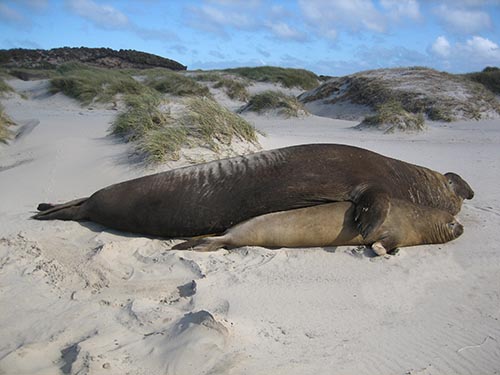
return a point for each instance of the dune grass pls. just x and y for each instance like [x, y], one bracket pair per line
[170, 82]
[160, 137]
[233, 88]
[5, 122]
[287, 77]
[286, 105]
[212, 125]
[391, 117]
[88, 84]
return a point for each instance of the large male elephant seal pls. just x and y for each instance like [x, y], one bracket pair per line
[333, 224]
[211, 197]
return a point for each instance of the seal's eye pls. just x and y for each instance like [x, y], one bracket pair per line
[452, 224]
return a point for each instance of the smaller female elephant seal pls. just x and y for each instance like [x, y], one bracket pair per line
[334, 224]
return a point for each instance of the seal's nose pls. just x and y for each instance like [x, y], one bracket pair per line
[458, 230]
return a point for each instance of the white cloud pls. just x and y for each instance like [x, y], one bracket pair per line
[482, 49]
[283, 31]
[472, 54]
[441, 47]
[104, 16]
[216, 20]
[402, 8]
[355, 15]
[110, 18]
[467, 21]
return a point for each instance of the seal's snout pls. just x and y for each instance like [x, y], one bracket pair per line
[458, 230]
[459, 185]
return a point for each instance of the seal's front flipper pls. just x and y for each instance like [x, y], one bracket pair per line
[372, 208]
[202, 244]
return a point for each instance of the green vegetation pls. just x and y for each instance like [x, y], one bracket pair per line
[489, 77]
[287, 77]
[160, 137]
[286, 105]
[391, 116]
[87, 84]
[5, 122]
[212, 125]
[169, 82]
[233, 88]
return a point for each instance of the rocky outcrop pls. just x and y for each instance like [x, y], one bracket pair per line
[100, 57]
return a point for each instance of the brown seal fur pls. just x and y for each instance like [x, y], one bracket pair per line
[211, 197]
[333, 224]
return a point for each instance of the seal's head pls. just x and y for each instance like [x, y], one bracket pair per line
[459, 186]
[445, 228]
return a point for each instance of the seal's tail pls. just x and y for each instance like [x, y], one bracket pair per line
[65, 211]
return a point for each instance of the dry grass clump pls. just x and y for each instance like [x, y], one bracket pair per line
[234, 89]
[211, 125]
[169, 82]
[160, 137]
[286, 105]
[391, 117]
[5, 122]
[88, 84]
[287, 77]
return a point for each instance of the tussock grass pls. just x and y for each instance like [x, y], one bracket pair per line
[287, 77]
[286, 105]
[169, 82]
[489, 77]
[5, 122]
[391, 116]
[233, 88]
[141, 115]
[160, 137]
[88, 84]
[212, 125]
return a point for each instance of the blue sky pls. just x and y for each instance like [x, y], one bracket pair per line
[334, 37]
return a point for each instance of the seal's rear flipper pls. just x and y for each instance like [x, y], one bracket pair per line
[202, 244]
[66, 211]
[45, 206]
[372, 208]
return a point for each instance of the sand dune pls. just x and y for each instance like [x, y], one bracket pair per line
[76, 298]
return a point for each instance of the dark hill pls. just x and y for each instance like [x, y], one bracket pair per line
[100, 57]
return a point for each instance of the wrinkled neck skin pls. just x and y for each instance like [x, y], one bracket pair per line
[429, 188]
[431, 226]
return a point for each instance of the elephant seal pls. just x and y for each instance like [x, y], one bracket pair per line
[333, 224]
[212, 197]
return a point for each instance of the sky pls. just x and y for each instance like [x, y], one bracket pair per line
[330, 37]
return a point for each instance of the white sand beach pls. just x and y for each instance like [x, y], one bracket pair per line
[77, 298]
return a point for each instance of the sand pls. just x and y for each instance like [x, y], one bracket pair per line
[76, 298]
